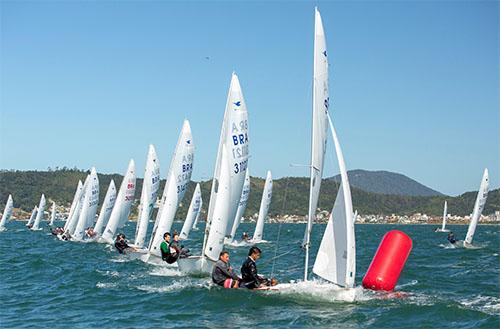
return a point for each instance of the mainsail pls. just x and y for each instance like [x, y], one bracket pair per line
[32, 216]
[245, 193]
[478, 207]
[39, 215]
[121, 210]
[106, 208]
[150, 186]
[78, 193]
[89, 206]
[234, 136]
[53, 214]
[264, 207]
[319, 127]
[7, 212]
[193, 213]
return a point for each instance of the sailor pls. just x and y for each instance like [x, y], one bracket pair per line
[245, 237]
[121, 244]
[90, 232]
[66, 236]
[451, 238]
[168, 253]
[223, 274]
[183, 252]
[249, 276]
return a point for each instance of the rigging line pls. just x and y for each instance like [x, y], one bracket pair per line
[279, 228]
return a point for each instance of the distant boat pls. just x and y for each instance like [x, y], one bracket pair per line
[227, 184]
[106, 208]
[192, 214]
[443, 227]
[150, 186]
[39, 215]
[196, 219]
[7, 213]
[121, 210]
[264, 208]
[482, 195]
[53, 214]
[178, 177]
[32, 216]
[245, 193]
[89, 206]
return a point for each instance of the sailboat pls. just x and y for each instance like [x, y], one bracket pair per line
[89, 206]
[121, 210]
[193, 213]
[39, 215]
[7, 213]
[482, 195]
[264, 208]
[227, 184]
[196, 219]
[150, 186]
[32, 216]
[445, 214]
[242, 206]
[106, 208]
[53, 214]
[336, 258]
[179, 176]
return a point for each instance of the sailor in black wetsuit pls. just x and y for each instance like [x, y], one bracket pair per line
[121, 244]
[249, 276]
[451, 238]
[183, 252]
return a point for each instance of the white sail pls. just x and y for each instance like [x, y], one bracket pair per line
[478, 207]
[32, 216]
[336, 258]
[179, 176]
[197, 216]
[193, 212]
[89, 206]
[39, 215]
[121, 210]
[76, 198]
[355, 217]
[234, 136]
[265, 202]
[7, 212]
[106, 208]
[242, 206]
[319, 127]
[150, 186]
[443, 227]
[73, 220]
[216, 235]
[53, 214]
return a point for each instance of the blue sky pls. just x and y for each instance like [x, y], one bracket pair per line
[414, 85]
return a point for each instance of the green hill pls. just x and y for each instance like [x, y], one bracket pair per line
[59, 186]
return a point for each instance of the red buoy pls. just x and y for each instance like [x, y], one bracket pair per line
[389, 261]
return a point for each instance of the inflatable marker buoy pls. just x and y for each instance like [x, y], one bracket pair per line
[390, 258]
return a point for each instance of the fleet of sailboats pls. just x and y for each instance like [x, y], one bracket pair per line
[335, 260]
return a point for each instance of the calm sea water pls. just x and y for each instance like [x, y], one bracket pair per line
[46, 283]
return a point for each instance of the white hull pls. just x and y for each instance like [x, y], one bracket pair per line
[441, 230]
[196, 265]
[155, 260]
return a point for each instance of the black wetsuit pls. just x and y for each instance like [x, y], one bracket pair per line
[249, 277]
[451, 238]
[121, 245]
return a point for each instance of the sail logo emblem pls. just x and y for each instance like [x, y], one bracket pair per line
[188, 141]
[238, 103]
[324, 53]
